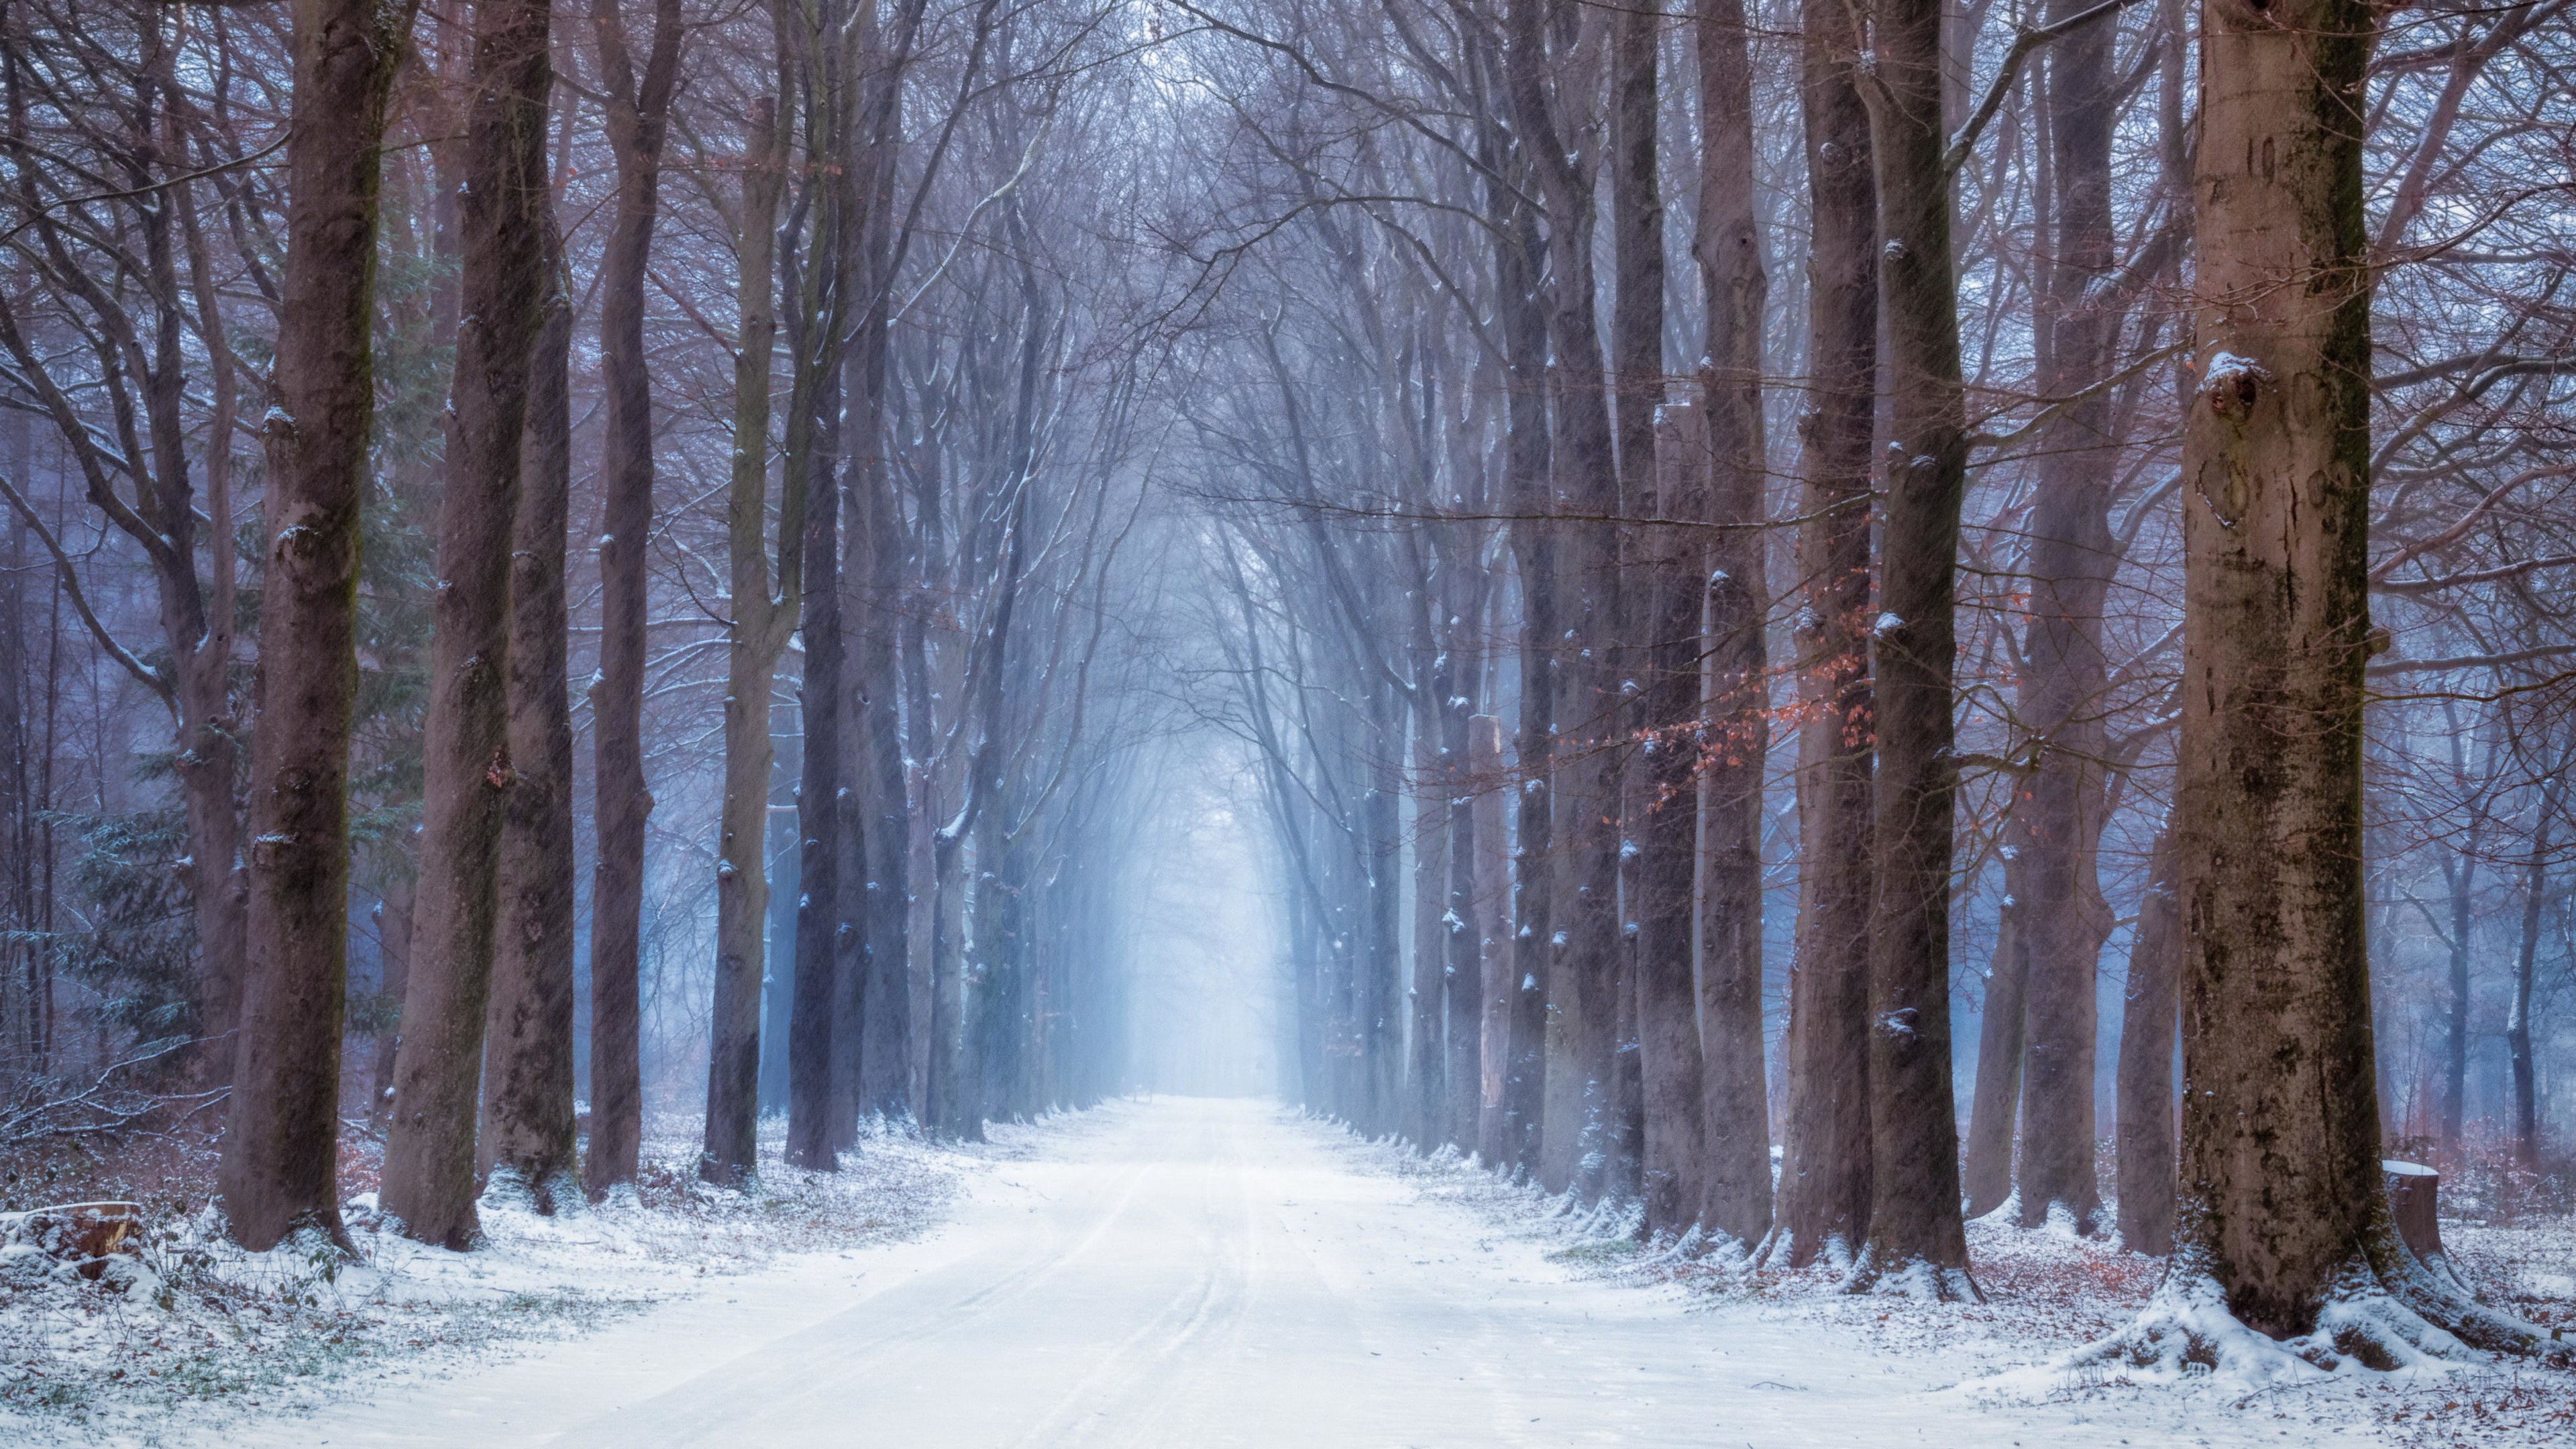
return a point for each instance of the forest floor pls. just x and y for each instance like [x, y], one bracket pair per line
[1184, 1273]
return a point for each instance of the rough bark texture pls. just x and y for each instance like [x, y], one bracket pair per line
[1825, 1180]
[429, 1180]
[1554, 108]
[279, 1168]
[528, 1068]
[2280, 1135]
[1736, 742]
[1667, 568]
[2146, 1097]
[1637, 382]
[638, 110]
[824, 850]
[760, 626]
[1914, 1134]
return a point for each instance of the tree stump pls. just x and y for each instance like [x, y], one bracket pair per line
[81, 1233]
[2412, 1190]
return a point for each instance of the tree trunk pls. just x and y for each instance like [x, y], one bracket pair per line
[1667, 569]
[1825, 1179]
[1528, 467]
[2461, 873]
[761, 623]
[637, 114]
[1550, 98]
[2517, 1032]
[1914, 1131]
[1994, 1112]
[528, 1077]
[832, 855]
[2280, 1137]
[1426, 1094]
[1736, 742]
[466, 768]
[2065, 680]
[2146, 1096]
[393, 945]
[279, 1169]
[825, 935]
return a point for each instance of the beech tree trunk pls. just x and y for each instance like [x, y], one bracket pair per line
[2146, 1087]
[1668, 568]
[2065, 679]
[638, 111]
[280, 1153]
[1554, 108]
[758, 634]
[467, 774]
[1914, 1133]
[2280, 1126]
[1994, 1111]
[1825, 1192]
[528, 1069]
[1736, 741]
[2517, 1032]
[1528, 465]
[1493, 919]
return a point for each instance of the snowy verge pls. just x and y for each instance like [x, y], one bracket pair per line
[196, 1330]
[2052, 1294]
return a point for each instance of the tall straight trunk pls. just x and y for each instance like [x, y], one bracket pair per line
[1994, 1109]
[528, 1070]
[2145, 1123]
[2461, 873]
[638, 112]
[822, 1028]
[2517, 1031]
[1637, 345]
[1463, 987]
[209, 759]
[1914, 1131]
[1531, 949]
[884, 781]
[877, 569]
[826, 936]
[758, 634]
[1736, 741]
[1493, 924]
[467, 772]
[1377, 979]
[1426, 1085]
[2282, 1188]
[279, 1170]
[2065, 678]
[1825, 1192]
[1667, 570]
[393, 949]
[1549, 95]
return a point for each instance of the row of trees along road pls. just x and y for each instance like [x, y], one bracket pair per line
[1754, 560]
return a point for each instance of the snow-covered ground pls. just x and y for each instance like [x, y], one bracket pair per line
[1203, 1273]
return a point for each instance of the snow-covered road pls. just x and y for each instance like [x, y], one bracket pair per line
[1201, 1273]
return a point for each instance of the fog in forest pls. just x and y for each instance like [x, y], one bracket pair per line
[1916, 648]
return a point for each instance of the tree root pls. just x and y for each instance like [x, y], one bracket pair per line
[2391, 1314]
[1920, 1279]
